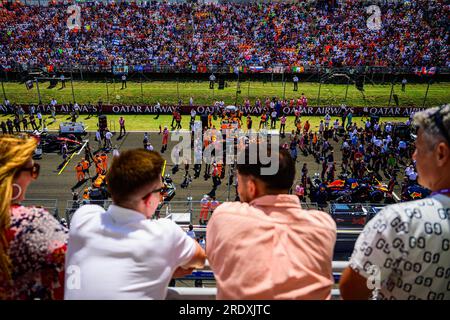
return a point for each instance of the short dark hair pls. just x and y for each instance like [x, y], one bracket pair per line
[131, 171]
[281, 180]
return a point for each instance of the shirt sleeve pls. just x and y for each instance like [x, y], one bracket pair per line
[184, 247]
[216, 236]
[85, 212]
[380, 246]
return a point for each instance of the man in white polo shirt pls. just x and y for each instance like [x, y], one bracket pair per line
[121, 253]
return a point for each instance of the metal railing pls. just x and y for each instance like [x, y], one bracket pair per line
[171, 209]
[166, 209]
[364, 207]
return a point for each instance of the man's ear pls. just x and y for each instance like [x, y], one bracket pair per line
[147, 201]
[252, 188]
[442, 154]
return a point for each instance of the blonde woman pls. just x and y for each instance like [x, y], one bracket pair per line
[32, 242]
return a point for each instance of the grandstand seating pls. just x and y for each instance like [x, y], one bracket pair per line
[191, 37]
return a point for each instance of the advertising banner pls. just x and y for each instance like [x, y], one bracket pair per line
[305, 111]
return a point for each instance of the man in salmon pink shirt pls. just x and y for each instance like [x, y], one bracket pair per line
[266, 246]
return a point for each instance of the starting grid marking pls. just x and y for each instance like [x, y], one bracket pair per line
[73, 153]
[396, 197]
[64, 167]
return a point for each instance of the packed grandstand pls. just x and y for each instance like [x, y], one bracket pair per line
[189, 37]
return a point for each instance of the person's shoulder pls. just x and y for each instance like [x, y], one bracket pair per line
[30, 213]
[86, 212]
[231, 207]
[165, 228]
[35, 218]
[321, 219]
[166, 224]
[416, 208]
[227, 214]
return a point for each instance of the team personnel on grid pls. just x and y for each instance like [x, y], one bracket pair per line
[122, 126]
[124, 81]
[213, 204]
[63, 81]
[165, 139]
[79, 171]
[216, 173]
[212, 79]
[295, 80]
[204, 209]
[108, 136]
[98, 164]
[104, 161]
[85, 164]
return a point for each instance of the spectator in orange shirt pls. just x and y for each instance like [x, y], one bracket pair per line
[283, 252]
[213, 204]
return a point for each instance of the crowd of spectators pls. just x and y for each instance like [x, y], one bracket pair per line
[196, 36]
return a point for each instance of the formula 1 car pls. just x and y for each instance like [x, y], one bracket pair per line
[72, 128]
[50, 143]
[415, 192]
[350, 190]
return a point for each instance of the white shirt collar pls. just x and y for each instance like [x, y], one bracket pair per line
[124, 215]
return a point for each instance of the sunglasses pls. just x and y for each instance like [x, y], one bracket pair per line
[159, 190]
[34, 170]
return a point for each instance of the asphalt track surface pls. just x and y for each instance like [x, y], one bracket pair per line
[52, 185]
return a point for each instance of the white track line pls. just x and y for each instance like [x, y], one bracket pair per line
[395, 196]
[84, 145]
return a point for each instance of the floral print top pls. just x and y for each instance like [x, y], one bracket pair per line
[37, 248]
